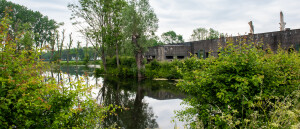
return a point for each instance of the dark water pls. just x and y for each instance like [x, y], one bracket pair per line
[149, 103]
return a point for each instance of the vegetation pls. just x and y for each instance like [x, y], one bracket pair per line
[29, 99]
[38, 27]
[141, 24]
[171, 37]
[245, 87]
[74, 53]
[204, 34]
[167, 70]
[154, 69]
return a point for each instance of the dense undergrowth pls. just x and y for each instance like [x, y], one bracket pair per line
[30, 99]
[153, 69]
[245, 87]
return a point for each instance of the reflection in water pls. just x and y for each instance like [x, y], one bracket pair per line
[128, 93]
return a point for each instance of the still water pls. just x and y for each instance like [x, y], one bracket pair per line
[149, 103]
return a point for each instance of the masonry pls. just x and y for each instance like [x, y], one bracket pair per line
[288, 39]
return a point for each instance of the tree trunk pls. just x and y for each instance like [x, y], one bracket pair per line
[68, 56]
[138, 56]
[77, 58]
[103, 58]
[52, 53]
[95, 56]
[117, 55]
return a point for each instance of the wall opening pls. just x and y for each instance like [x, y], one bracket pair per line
[180, 57]
[169, 57]
[206, 54]
[201, 54]
[297, 47]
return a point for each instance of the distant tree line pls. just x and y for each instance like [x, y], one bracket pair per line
[39, 29]
[171, 37]
[72, 54]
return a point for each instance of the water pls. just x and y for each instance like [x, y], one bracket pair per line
[149, 103]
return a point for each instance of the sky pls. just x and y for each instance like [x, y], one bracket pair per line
[183, 16]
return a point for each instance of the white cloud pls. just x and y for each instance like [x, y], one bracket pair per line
[183, 16]
[230, 17]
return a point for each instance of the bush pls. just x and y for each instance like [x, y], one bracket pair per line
[28, 101]
[167, 70]
[242, 81]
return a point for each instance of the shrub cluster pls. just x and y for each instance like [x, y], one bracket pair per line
[127, 67]
[154, 69]
[244, 87]
[167, 70]
[29, 99]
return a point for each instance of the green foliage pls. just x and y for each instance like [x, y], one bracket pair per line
[244, 84]
[127, 67]
[29, 99]
[41, 26]
[167, 70]
[154, 69]
[103, 23]
[204, 34]
[171, 37]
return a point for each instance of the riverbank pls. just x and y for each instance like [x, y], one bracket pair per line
[154, 69]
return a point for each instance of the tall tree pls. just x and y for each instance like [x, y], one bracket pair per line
[213, 34]
[171, 37]
[40, 25]
[102, 20]
[62, 44]
[204, 34]
[199, 34]
[141, 23]
[69, 47]
[77, 51]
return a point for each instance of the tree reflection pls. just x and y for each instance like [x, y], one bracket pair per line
[138, 114]
[129, 94]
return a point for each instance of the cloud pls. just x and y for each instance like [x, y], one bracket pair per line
[183, 16]
[231, 17]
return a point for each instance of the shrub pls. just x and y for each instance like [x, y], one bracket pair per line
[28, 101]
[233, 82]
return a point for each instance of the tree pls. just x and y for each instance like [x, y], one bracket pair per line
[69, 47]
[199, 34]
[29, 99]
[41, 26]
[77, 52]
[204, 34]
[141, 23]
[171, 37]
[213, 34]
[102, 20]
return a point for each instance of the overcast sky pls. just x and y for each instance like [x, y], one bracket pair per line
[182, 16]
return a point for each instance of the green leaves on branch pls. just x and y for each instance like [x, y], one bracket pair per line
[30, 99]
[243, 82]
[171, 37]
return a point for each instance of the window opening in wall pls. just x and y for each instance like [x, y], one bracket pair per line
[297, 47]
[206, 54]
[169, 57]
[201, 54]
[180, 57]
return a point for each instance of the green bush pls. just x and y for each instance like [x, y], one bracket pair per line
[29, 101]
[242, 82]
[166, 70]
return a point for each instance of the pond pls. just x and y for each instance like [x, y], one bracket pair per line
[148, 103]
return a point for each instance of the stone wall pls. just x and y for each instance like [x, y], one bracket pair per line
[286, 39]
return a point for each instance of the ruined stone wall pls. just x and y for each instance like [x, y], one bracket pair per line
[286, 39]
